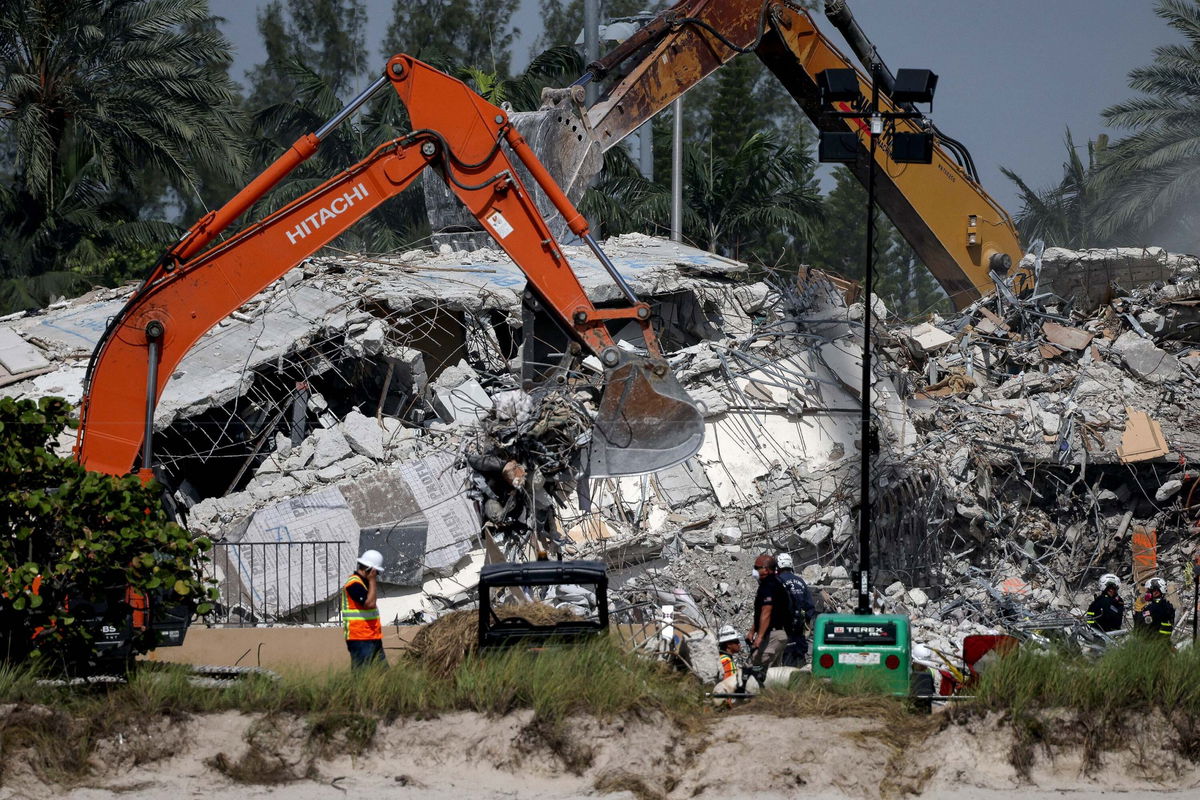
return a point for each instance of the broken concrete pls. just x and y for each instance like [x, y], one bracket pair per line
[1145, 360]
[364, 435]
[1091, 278]
[1020, 440]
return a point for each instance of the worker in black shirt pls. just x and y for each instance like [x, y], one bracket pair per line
[1107, 611]
[772, 613]
[796, 652]
[1158, 615]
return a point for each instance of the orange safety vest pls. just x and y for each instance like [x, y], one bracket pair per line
[360, 624]
[726, 665]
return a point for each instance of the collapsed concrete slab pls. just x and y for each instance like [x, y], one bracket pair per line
[1019, 441]
[1091, 278]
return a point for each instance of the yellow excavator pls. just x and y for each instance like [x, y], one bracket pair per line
[961, 234]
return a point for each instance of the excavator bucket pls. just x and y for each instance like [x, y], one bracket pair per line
[646, 422]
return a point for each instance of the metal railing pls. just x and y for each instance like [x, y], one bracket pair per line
[279, 583]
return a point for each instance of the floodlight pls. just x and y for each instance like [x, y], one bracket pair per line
[912, 148]
[838, 86]
[839, 147]
[914, 86]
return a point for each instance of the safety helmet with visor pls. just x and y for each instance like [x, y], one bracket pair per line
[1108, 579]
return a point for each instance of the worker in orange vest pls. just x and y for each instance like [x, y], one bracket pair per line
[729, 645]
[360, 615]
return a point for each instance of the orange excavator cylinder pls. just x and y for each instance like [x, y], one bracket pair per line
[203, 233]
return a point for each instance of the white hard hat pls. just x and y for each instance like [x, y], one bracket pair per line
[921, 653]
[784, 560]
[1156, 583]
[1108, 578]
[726, 634]
[372, 559]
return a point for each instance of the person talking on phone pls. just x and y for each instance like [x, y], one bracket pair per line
[360, 615]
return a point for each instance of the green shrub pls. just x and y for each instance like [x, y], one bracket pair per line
[69, 538]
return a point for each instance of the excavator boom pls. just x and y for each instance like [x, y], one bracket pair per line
[954, 226]
[462, 136]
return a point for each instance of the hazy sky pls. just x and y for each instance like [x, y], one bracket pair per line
[1013, 74]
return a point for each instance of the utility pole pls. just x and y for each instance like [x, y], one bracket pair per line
[864, 513]
[591, 43]
[677, 171]
[646, 150]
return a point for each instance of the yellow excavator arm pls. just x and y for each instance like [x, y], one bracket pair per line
[955, 227]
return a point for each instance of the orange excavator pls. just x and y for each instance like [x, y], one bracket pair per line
[645, 420]
[965, 238]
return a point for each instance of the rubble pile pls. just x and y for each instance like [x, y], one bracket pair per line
[1059, 426]
[1024, 446]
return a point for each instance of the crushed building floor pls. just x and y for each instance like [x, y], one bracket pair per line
[1026, 445]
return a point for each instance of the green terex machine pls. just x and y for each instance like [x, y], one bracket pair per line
[845, 646]
[872, 650]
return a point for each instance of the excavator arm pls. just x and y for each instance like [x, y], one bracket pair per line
[645, 421]
[954, 226]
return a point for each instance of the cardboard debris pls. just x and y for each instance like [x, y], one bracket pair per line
[1070, 338]
[1143, 438]
[591, 528]
[995, 320]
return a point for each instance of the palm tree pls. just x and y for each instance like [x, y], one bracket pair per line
[553, 67]
[1065, 215]
[1151, 179]
[735, 205]
[99, 100]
